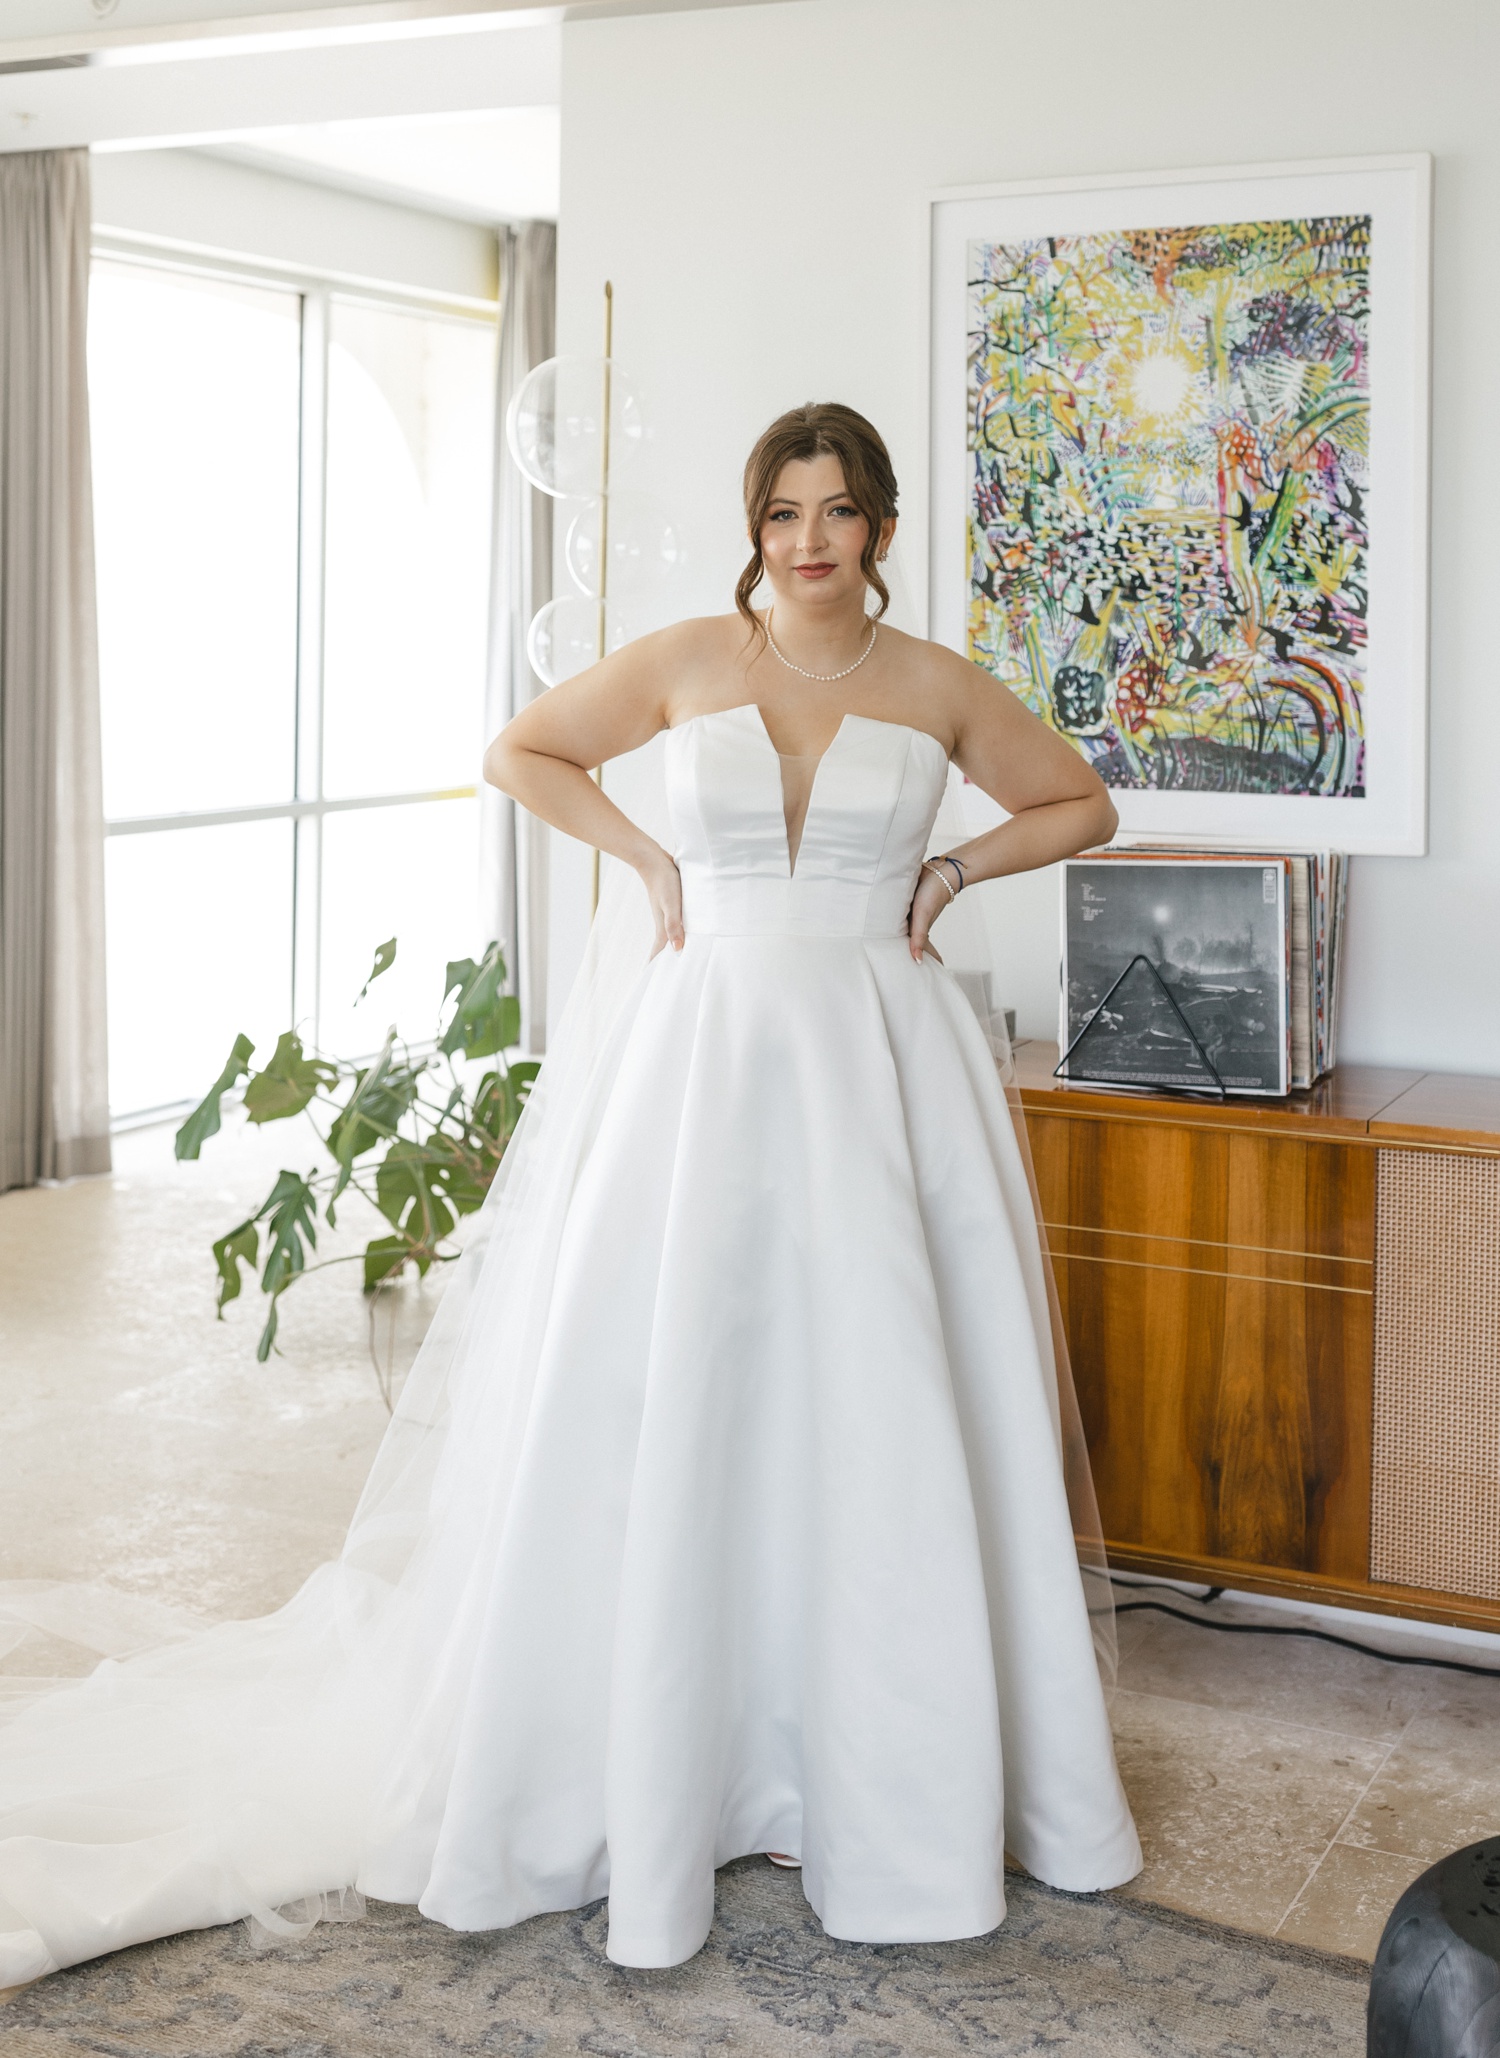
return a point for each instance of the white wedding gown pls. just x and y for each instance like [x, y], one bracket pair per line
[724, 1511]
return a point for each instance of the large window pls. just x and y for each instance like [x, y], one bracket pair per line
[292, 496]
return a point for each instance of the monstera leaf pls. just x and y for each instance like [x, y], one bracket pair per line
[410, 1132]
[203, 1122]
[385, 957]
[485, 1020]
[292, 1207]
[409, 1194]
[500, 1097]
[288, 1083]
[461, 1175]
[384, 1259]
[240, 1246]
[383, 1094]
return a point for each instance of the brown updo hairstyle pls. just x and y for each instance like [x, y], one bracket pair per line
[820, 429]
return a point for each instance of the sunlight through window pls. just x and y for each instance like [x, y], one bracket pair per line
[292, 714]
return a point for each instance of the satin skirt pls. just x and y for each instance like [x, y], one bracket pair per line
[778, 1554]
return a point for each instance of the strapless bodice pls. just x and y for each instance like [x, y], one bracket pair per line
[874, 801]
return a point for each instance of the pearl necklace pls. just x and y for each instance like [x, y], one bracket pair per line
[818, 675]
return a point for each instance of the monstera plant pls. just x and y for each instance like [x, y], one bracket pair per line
[417, 1136]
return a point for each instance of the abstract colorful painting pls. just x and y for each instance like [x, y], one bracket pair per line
[1167, 518]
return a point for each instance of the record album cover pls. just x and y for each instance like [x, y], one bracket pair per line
[1216, 932]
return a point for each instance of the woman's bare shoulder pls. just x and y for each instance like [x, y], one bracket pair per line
[698, 643]
[705, 633]
[934, 668]
[692, 662]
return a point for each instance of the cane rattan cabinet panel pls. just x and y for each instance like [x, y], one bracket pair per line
[1436, 1498]
[1248, 1293]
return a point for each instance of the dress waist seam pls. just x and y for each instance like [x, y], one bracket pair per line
[697, 929]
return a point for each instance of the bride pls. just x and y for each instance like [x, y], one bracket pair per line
[724, 1510]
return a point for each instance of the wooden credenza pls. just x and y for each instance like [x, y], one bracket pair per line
[1284, 1320]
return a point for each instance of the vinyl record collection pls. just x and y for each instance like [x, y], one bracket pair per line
[1212, 970]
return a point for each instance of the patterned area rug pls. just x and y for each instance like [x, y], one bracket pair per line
[1100, 1978]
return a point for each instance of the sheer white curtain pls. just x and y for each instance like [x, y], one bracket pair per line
[54, 1094]
[514, 844]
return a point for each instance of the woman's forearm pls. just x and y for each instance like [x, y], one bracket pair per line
[1038, 836]
[565, 795]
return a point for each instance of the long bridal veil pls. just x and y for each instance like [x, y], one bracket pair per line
[267, 1767]
[277, 1768]
[972, 953]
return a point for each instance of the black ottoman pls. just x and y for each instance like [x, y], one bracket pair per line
[1435, 1991]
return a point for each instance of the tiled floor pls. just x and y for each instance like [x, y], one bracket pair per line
[139, 1439]
[1280, 1785]
[1287, 1786]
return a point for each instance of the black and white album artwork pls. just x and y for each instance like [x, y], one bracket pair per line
[1216, 933]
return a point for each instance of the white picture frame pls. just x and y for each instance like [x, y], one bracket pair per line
[1389, 816]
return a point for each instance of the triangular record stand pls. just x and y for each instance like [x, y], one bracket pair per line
[1212, 1083]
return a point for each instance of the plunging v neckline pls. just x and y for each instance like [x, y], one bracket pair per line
[751, 707]
[817, 757]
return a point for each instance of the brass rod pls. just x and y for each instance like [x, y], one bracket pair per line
[609, 337]
[609, 343]
[1203, 1272]
[1275, 1250]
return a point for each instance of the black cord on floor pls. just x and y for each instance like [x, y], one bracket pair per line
[1323, 1636]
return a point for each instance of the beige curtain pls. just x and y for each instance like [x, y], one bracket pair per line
[514, 844]
[54, 1098]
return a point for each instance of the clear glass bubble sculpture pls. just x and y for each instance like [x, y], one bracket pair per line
[556, 425]
[644, 549]
[570, 634]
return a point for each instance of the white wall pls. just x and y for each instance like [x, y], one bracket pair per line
[754, 182]
[190, 197]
